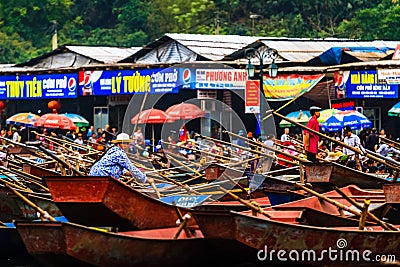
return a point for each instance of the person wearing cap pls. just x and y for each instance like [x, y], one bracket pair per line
[350, 139]
[115, 161]
[310, 139]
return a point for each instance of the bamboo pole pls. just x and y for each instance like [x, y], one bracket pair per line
[364, 152]
[358, 206]
[285, 105]
[363, 217]
[253, 207]
[384, 225]
[267, 147]
[62, 162]
[197, 150]
[43, 214]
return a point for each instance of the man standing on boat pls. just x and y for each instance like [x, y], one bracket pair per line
[115, 161]
[310, 139]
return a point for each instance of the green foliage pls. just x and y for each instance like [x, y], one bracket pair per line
[27, 26]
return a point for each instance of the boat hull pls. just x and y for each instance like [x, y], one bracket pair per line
[265, 235]
[105, 201]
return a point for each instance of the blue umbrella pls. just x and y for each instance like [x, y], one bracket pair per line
[23, 119]
[354, 119]
[395, 110]
[77, 119]
[300, 116]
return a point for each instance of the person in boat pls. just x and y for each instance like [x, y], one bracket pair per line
[310, 139]
[115, 162]
[285, 136]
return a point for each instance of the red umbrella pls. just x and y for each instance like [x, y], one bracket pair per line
[185, 111]
[55, 121]
[151, 116]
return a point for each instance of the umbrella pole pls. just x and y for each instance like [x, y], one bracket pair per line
[152, 133]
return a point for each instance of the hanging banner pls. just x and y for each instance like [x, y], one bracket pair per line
[123, 82]
[252, 97]
[38, 86]
[288, 86]
[365, 84]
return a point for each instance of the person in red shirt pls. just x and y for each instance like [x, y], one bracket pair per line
[310, 139]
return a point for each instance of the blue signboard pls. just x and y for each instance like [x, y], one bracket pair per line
[185, 201]
[364, 84]
[38, 86]
[123, 82]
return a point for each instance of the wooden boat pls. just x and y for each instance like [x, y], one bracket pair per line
[266, 236]
[323, 175]
[392, 195]
[279, 189]
[69, 244]
[11, 245]
[218, 223]
[12, 207]
[105, 201]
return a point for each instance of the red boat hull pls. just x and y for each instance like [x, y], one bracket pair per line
[266, 235]
[143, 248]
[105, 201]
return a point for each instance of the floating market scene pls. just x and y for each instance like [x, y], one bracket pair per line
[199, 133]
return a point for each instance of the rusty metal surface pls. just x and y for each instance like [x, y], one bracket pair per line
[318, 172]
[259, 233]
[104, 201]
[392, 193]
[45, 242]
[12, 207]
[339, 175]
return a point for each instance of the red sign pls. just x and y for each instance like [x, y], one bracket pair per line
[343, 105]
[252, 96]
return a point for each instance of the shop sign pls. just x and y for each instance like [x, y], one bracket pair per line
[365, 84]
[231, 79]
[389, 76]
[252, 96]
[38, 86]
[123, 82]
[288, 86]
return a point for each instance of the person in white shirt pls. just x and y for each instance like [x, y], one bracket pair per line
[285, 136]
[351, 140]
[15, 135]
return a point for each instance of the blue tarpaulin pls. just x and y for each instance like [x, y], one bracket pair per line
[334, 55]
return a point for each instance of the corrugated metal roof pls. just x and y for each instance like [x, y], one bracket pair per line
[207, 47]
[104, 54]
[303, 50]
[213, 47]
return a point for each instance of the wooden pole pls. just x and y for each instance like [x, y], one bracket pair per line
[384, 225]
[364, 152]
[43, 214]
[363, 217]
[285, 105]
[253, 207]
[267, 147]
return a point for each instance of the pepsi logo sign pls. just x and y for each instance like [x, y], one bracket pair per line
[186, 76]
[71, 84]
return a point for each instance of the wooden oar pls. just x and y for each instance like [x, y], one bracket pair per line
[43, 214]
[384, 225]
[62, 162]
[155, 189]
[253, 207]
[267, 147]
[358, 206]
[364, 152]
